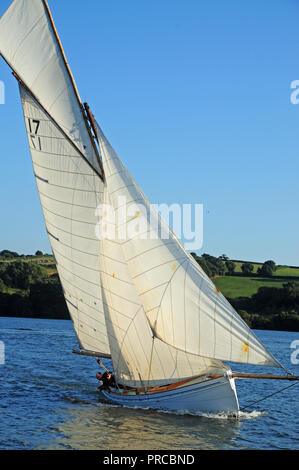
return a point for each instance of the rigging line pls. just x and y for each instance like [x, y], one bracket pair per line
[268, 396]
[185, 323]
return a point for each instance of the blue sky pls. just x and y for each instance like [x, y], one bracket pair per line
[195, 97]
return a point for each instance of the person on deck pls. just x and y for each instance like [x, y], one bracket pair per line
[107, 380]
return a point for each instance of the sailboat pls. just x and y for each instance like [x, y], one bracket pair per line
[143, 302]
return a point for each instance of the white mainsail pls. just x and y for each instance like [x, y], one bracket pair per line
[182, 305]
[70, 191]
[29, 45]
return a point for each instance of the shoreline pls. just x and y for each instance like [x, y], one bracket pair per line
[257, 326]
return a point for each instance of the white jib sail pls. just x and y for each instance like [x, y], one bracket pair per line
[70, 192]
[183, 306]
[29, 45]
[139, 358]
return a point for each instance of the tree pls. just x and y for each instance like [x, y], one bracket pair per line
[245, 316]
[292, 290]
[247, 269]
[230, 266]
[205, 266]
[267, 269]
[8, 254]
[21, 274]
[3, 287]
[39, 253]
[224, 257]
[47, 299]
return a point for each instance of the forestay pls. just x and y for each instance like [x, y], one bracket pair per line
[182, 305]
[70, 191]
[29, 45]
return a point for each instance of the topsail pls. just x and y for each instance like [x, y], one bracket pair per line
[29, 44]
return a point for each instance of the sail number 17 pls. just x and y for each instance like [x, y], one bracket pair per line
[33, 129]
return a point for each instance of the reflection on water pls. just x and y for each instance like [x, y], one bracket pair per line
[117, 428]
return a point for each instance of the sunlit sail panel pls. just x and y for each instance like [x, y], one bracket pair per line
[139, 358]
[184, 308]
[29, 44]
[70, 192]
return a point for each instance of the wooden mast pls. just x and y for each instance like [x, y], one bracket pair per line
[92, 121]
[45, 3]
[62, 51]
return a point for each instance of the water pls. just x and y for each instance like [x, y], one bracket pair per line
[49, 400]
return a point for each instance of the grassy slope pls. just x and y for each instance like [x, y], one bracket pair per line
[47, 262]
[235, 286]
[280, 271]
[239, 286]
[230, 286]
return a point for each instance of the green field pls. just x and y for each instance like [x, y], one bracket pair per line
[47, 261]
[237, 286]
[239, 264]
[230, 286]
[286, 271]
[281, 271]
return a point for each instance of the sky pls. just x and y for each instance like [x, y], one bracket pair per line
[195, 97]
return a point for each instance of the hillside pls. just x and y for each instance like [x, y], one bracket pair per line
[265, 295]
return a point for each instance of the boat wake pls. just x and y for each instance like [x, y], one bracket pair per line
[240, 416]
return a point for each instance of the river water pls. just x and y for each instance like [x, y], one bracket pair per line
[49, 400]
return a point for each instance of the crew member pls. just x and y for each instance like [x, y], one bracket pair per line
[107, 380]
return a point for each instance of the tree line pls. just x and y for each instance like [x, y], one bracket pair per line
[274, 308]
[26, 289]
[224, 266]
[9, 255]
